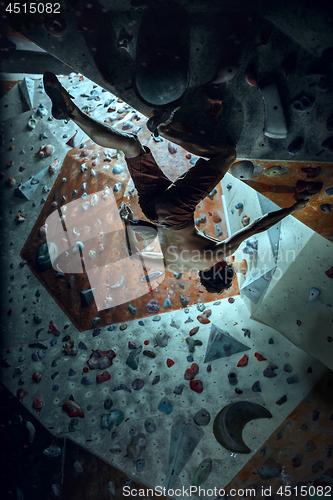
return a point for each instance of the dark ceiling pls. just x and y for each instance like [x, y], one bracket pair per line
[202, 57]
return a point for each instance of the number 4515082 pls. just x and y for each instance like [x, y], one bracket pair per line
[32, 8]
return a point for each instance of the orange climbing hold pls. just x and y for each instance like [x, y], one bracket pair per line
[216, 217]
[243, 361]
[203, 319]
[259, 357]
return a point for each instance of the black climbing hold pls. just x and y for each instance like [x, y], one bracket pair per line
[281, 400]
[293, 379]
[70, 281]
[202, 417]
[279, 435]
[108, 403]
[96, 332]
[271, 341]
[86, 297]
[233, 378]
[309, 446]
[66, 338]
[302, 102]
[295, 146]
[315, 415]
[256, 387]
[71, 372]
[297, 460]
[156, 380]
[318, 466]
[304, 427]
[82, 346]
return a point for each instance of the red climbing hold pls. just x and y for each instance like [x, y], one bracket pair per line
[288, 65]
[146, 342]
[310, 172]
[170, 362]
[329, 273]
[103, 377]
[329, 123]
[21, 393]
[73, 409]
[38, 404]
[259, 357]
[231, 300]
[238, 391]
[243, 361]
[196, 386]
[250, 75]
[53, 329]
[36, 377]
[190, 373]
[193, 331]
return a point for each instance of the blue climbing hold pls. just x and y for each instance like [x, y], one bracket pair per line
[86, 381]
[82, 346]
[166, 303]
[183, 300]
[53, 342]
[117, 169]
[239, 205]
[181, 284]
[71, 372]
[141, 323]
[329, 191]
[194, 159]
[218, 230]
[189, 358]
[177, 275]
[165, 406]
[96, 332]
[111, 328]
[179, 389]
[55, 387]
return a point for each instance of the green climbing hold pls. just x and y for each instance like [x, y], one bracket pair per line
[123, 326]
[202, 472]
[46, 255]
[115, 417]
[37, 319]
[56, 361]
[132, 309]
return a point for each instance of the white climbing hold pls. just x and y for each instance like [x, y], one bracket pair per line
[314, 294]
[32, 431]
[94, 200]
[77, 467]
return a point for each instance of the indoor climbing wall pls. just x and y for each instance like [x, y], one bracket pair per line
[288, 284]
[92, 171]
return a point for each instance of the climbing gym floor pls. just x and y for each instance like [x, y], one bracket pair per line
[142, 425]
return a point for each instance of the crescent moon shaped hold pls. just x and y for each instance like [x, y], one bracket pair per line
[230, 421]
